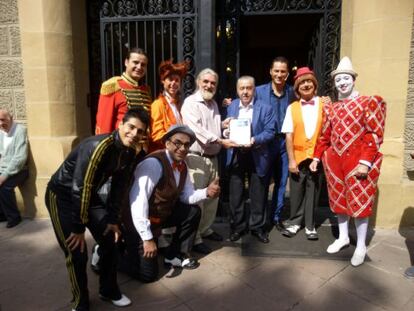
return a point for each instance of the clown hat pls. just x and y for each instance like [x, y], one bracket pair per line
[344, 66]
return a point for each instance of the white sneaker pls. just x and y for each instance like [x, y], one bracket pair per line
[337, 245]
[122, 302]
[182, 262]
[311, 234]
[358, 257]
[95, 258]
[293, 229]
[307, 231]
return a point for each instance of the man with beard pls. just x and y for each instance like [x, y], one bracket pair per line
[200, 112]
[118, 94]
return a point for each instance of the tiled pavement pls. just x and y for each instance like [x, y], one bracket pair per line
[33, 277]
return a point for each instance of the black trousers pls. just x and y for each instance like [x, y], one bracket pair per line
[304, 195]
[8, 204]
[59, 207]
[240, 219]
[185, 218]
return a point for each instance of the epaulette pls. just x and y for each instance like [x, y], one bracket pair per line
[110, 86]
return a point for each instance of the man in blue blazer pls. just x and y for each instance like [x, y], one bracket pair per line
[250, 161]
[278, 95]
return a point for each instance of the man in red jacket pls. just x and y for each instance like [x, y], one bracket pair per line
[120, 93]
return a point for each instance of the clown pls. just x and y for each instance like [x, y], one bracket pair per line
[352, 132]
[165, 110]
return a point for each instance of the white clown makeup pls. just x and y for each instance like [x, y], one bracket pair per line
[344, 83]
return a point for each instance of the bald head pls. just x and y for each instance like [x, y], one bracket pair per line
[6, 120]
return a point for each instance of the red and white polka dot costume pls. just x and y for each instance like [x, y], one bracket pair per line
[352, 132]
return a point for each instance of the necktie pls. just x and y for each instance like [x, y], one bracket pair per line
[179, 166]
[311, 102]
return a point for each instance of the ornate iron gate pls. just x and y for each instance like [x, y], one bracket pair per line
[323, 46]
[163, 28]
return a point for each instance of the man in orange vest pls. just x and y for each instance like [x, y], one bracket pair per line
[302, 126]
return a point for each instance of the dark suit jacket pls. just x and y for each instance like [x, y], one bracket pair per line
[263, 131]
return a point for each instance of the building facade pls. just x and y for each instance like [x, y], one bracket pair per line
[55, 53]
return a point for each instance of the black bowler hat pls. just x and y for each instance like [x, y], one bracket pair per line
[177, 128]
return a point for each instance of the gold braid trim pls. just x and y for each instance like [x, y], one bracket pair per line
[110, 86]
[137, 98]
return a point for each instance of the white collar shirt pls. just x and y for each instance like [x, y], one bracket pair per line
[174, 108]
[310, 114]
[146, 177]
[246, 112]
[8, 137]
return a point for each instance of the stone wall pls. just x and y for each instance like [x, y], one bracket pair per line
[409, 125]
[11, 74]
[378, 37]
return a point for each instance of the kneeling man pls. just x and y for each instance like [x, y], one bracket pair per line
[162, 196]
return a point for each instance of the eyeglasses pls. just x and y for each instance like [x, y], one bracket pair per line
[180, 144]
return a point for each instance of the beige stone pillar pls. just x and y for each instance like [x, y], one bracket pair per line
[376, 35]
[53, 99]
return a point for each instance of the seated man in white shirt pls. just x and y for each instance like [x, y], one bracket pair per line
[162, 195]
[13, 166]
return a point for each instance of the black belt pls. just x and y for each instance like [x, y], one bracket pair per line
[210, 156]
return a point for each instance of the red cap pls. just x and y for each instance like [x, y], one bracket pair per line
[302, 74]
[303, 71]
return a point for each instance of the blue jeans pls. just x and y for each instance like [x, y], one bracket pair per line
[279, 171]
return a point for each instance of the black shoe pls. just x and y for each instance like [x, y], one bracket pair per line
[261, 236]
[311, 234]
[214, 236]
[182, 262]
[3, 218]
[235, 236]
[202, 249]
[287, 233]
[278, 225]
[13, 223]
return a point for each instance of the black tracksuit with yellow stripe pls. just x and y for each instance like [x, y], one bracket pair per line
[74, 203]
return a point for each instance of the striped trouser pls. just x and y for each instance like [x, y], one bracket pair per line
[60, 209]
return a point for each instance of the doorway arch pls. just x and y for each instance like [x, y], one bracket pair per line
[250, 34]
